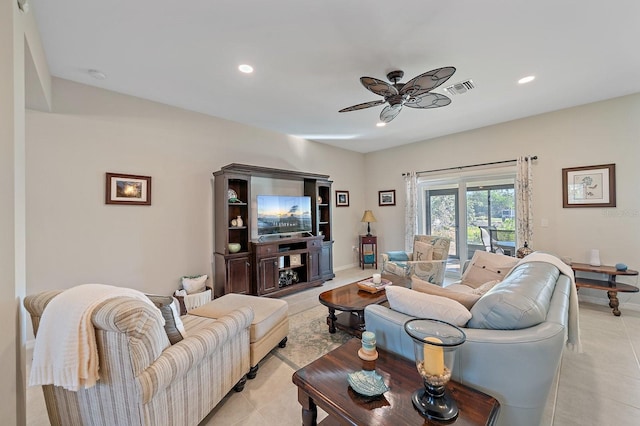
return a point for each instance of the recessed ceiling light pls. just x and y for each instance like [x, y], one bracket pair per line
[381, 124]
[527, 79]
[247, 69]
[98, 75]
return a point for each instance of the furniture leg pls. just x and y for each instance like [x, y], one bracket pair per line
[253, 371]
[239, 387]
[283, 343]
[309, 409]
[331, 320]
[614, 302]
[360, 315]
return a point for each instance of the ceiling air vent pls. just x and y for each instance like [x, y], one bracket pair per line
[460, 88]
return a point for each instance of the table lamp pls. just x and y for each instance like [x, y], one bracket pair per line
[368, 217]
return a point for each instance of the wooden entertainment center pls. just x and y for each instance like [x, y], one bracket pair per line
[273, 266]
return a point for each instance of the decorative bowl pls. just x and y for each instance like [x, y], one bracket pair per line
[234, 247]
[367, 383]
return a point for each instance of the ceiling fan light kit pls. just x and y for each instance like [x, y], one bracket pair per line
[416, 93]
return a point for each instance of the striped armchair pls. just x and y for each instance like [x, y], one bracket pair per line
[427, 270]
[144, 380]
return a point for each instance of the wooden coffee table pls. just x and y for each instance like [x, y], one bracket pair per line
[351, 301]
[323, 383]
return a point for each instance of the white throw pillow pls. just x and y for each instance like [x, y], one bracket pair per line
[175, 310]
[422, 251]
[421, 305]
[486, 266]
[466, 298]
[194, 284]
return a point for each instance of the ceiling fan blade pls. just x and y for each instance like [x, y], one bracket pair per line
[427, 81]
[390, 112]
[378, 87]
[363, 106]
[428, 100]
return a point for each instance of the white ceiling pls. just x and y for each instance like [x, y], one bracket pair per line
[309, 55]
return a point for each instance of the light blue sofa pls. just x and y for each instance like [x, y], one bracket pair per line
[514, 340]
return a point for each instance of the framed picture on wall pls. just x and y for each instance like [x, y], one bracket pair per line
[342, 198]
[589, 186]
[387, 198]
[128, 189]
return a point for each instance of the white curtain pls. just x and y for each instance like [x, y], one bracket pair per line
[410, 210]
[524, 202]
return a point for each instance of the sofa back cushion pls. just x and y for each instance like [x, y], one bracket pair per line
[521, 300]
[486, 266]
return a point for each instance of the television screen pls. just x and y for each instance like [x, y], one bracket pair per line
[283, 214]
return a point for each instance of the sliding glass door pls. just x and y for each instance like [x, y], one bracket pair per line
[491, 218]
[460, 208]
[442, 216]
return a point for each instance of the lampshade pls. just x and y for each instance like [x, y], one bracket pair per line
[368, 216]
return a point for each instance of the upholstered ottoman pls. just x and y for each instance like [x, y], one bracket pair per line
[269, 327]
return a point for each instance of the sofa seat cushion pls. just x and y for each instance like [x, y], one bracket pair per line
[268, 313]
[521, 300]
[421, 305]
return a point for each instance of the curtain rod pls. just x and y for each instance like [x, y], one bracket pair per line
[535, 157]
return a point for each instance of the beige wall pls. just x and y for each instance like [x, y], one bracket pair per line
[598, 133]
[74, 238]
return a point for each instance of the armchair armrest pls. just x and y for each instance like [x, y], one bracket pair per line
[427, 270]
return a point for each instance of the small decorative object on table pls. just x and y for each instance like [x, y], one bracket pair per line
[435, 343]
[367, 383]
[524, 251]
[368, 350]
[373, 287]
[621, 267]
[594, 257]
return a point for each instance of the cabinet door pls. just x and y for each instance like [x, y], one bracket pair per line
[314, 265]
[238, 275]
[268, 278]
[326, 261]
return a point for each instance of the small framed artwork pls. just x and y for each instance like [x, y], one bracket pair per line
[387, 198]
[589, 186]
[128, 189]
[342, 198]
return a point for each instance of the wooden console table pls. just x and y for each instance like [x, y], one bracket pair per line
[610, 285]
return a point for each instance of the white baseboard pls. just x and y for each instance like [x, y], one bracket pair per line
[342, 268]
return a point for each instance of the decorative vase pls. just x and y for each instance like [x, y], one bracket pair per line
[234, 247]
[594, 258]
[368, 350]
[524, 251]
[239, 221]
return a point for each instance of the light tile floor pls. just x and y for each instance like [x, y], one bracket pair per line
[598, 387]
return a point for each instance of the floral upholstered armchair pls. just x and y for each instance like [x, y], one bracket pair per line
[428, 260]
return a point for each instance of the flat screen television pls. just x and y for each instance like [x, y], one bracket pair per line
[283, 214]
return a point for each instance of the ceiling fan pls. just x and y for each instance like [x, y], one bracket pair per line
[416, 93]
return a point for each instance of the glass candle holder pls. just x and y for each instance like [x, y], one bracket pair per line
[435, 343]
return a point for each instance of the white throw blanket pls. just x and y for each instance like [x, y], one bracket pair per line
[573, 331]
[66, 353]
